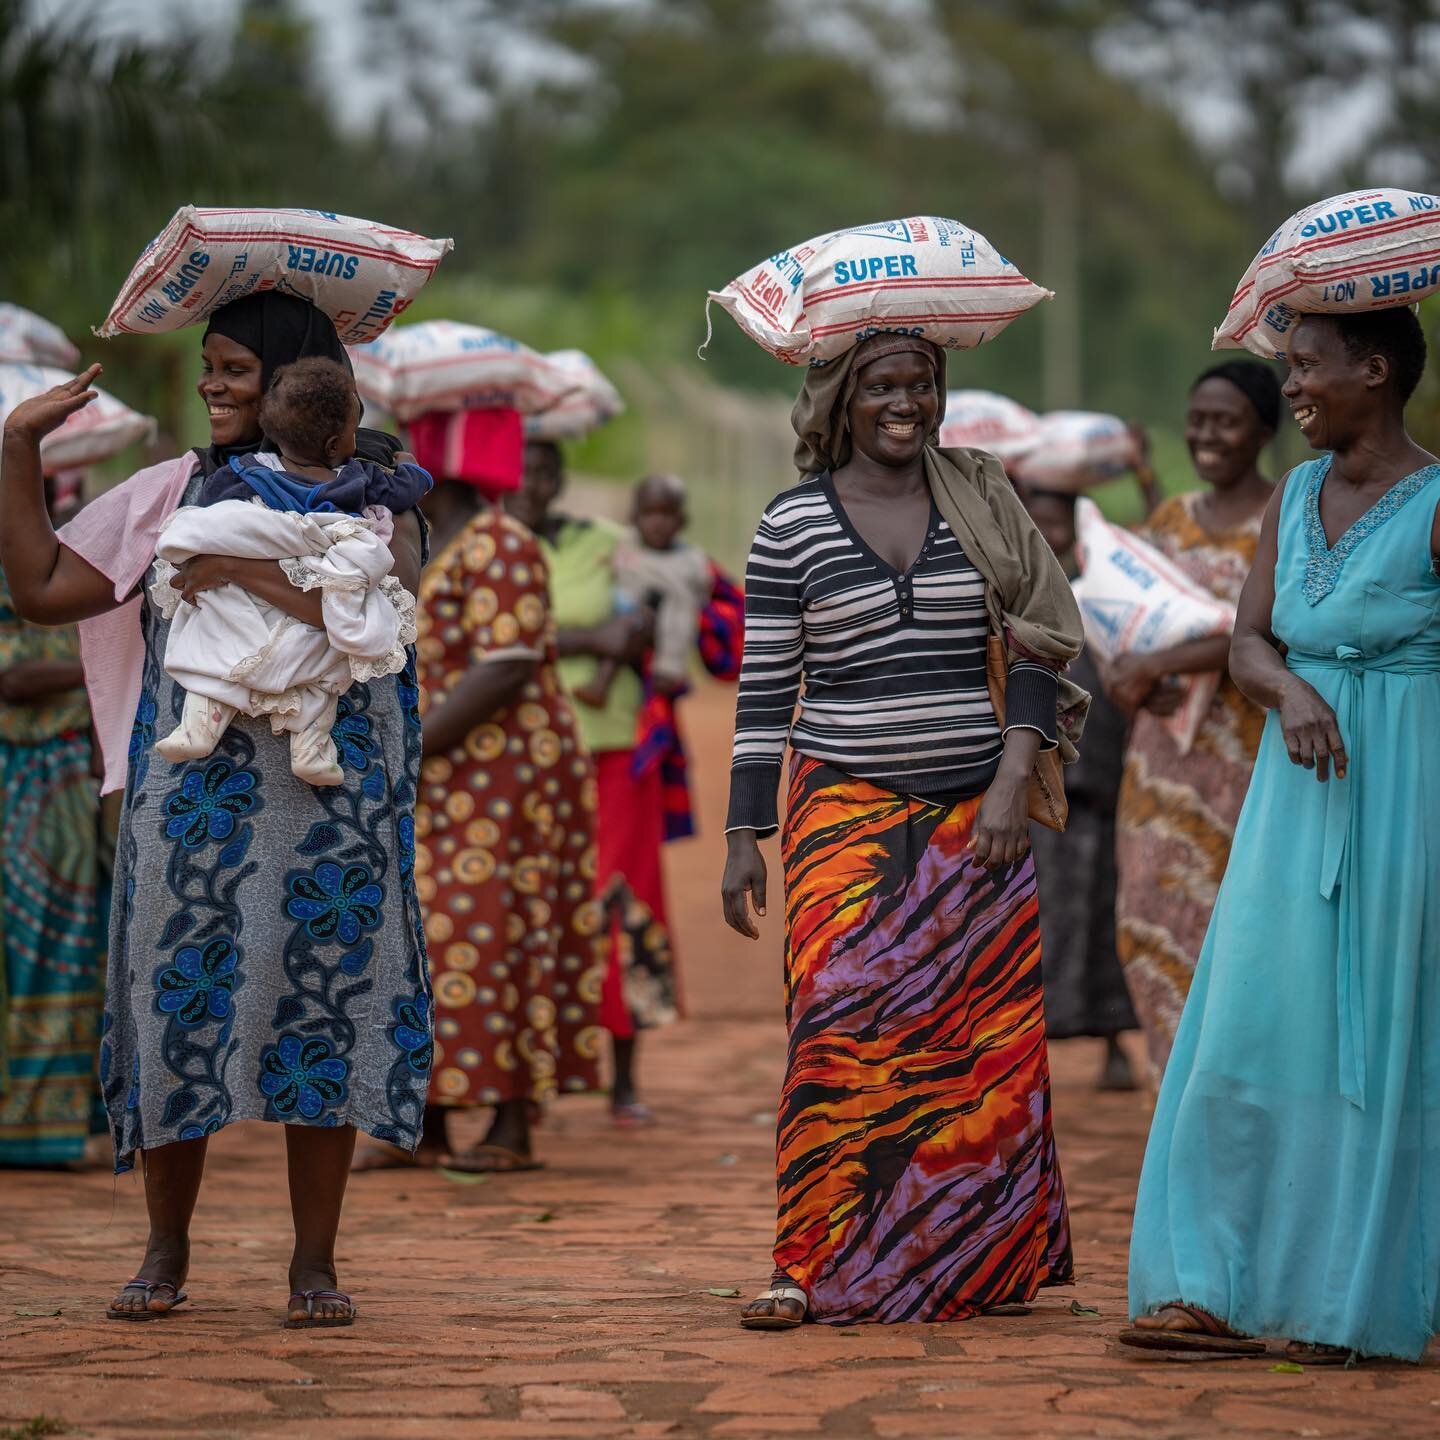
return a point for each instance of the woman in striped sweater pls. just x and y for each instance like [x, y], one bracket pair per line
[916, 1165]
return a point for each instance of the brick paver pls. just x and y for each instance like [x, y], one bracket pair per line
[575, 1302]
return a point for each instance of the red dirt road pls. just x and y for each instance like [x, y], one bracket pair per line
[575, 1302]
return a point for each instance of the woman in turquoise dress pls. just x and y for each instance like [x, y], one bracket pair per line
[1291, 1185]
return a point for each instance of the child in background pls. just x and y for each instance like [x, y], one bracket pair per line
[655, 568]
[326, 517]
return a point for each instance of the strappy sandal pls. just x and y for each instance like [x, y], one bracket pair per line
[1210, 1335]
[775, 1320]
[148, 1287]
[312, 1321]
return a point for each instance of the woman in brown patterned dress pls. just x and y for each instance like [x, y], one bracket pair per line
[505, 816]
[1177, 812]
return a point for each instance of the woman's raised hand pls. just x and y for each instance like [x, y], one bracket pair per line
[744, 882]
[36, 417]
[1312, 734]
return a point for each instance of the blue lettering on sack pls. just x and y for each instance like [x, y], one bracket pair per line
[789, 269]
[382, 306]
[871, 267]
[1340, 291]
[1279, 318]
[865, 332]
[1425, 202]
[487, 342]
[153, 311]
[241, 263]
[1124, 561]
[184, 279]
[1351, 216]
[311, 260]
[1404, 282]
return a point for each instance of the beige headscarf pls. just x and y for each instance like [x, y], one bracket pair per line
[1028, 598]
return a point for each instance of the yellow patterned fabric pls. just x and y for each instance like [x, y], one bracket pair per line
[1177, 813]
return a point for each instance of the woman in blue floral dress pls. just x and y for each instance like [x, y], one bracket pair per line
[267, 957]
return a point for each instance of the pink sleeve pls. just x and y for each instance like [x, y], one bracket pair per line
[117, 534]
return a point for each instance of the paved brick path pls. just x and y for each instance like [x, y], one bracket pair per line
[573, 1302]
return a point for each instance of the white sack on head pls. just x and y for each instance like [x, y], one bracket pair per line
[103, 428]
[1134, 601]
[1075, 449]
[28, 339]
[1364, 250]
[592, 403]
[360, 273]
[983, 420]
[446, 365]
[923, 276]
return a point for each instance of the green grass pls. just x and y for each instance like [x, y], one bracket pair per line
[34, 1428]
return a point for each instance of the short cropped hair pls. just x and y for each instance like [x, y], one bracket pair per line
[308, 401]
[1394, 333]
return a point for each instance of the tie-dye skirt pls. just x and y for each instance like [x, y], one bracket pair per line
[916, 1163]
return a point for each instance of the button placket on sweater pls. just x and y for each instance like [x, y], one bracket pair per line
[905, 584]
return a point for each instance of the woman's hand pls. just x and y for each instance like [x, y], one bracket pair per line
[1129, 681]
[625, 638]
[36, 417]
[1166, 698]
[1312, 735]
[743, 883]
[200, 573]
[1002, 827]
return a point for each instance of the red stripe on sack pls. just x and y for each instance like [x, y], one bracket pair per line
[1298, 282]
[190, 232]
[767, 311]
[1325, 242]
[918, 282]
[816, 331]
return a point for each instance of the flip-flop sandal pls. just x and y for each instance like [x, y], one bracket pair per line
[775, 1320]
[507, 1162]
[1003, 1312]
[148, 1287]
[1301, 1352]
[312, 1321]
[1213, 1337]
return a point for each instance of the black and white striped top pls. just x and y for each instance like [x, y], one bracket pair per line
[893, 664]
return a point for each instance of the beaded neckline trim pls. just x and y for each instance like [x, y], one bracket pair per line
[1323, 563]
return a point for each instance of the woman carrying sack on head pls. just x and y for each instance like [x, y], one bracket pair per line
[916, 1164]
[266, 951]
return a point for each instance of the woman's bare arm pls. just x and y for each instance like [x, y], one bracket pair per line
[49, 583]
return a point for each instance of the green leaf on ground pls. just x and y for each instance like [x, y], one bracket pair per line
[31, 1312]
[544, 1217]
[1287, 1367]
[1076, 1308]
[723, 1293]
[463, 1177]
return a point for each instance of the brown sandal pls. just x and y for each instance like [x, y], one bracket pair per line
[149, 1287]
[490, 1160]
[1206, 1333]
[781, 1293]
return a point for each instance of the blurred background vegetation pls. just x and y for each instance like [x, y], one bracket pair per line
[603, 163]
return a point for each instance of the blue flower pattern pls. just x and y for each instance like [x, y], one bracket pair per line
[199, 984]
[208, 803]
[303, 1076]
[353, 741]
[336, 903]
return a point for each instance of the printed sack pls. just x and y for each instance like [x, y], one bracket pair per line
[1134, 601]
[983, 420]
[361, 274]
[444, 365]
[922, 276]
[1075, 449]
[587, 407]
[26, 339]
[103, 428]
[1364, 250]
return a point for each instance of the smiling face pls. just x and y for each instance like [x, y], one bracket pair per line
[893, 411]
[1224, 434]
[1331, 394]
[230, 387]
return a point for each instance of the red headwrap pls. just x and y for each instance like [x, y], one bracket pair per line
[483, 448]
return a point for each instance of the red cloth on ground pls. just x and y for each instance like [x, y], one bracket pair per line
[483, 448]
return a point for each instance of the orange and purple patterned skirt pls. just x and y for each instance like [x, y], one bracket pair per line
[916, 1163]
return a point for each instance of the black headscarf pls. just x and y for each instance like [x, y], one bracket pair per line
[1256, 381]
[279, 329]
